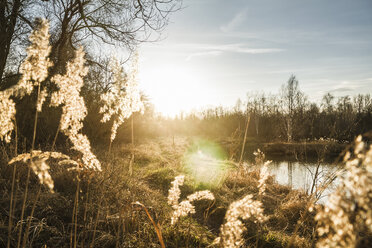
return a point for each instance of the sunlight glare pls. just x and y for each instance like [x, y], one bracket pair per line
[205, 162]
[174, 89]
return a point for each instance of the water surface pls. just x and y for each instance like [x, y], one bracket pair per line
[300, 175]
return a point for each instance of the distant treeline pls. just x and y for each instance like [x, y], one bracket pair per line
[287, 116]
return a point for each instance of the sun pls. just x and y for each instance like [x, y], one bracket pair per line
[173, 89]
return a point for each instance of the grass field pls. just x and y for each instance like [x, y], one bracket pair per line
[108, 217]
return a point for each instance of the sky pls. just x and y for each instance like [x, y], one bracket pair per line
[216, 51]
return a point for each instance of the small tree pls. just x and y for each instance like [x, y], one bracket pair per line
[291, 99]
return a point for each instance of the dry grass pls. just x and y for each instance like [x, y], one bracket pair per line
[107, 214]
[121, 200]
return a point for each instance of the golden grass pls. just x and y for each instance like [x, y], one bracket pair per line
[246, 208]
[106, 208]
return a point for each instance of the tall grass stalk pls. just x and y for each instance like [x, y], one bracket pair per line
[243, 145]
[12, 188]
[16, 137]
[56, 136]
[73, 232]
[156, 226]
[28, 173]
[118, 231]
[76, 211]
[132, 150]
[109, 150]
[96, 221]
[85, 212]
[11, 206]
[25, 236]
[15, 193]
[245, 137]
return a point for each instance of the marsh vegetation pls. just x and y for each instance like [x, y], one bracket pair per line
[86, 162]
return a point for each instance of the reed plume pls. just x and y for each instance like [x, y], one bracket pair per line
[7, 113]
[34, 71]
[232, 230]
[39, 165]
[348, 213]
[73, 109]
[264, 175]
[124, 97]
[181, 209]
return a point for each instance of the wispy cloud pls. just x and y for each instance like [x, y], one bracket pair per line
[200, 54]
[294, 70]
[240, 48]
[346, 86]
[235, 22]
[339, 88]
[215, 50]
[342, 89]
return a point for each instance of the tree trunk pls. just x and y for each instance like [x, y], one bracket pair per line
[7, 26]
[289, 129]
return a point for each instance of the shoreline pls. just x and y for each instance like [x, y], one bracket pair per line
[330, 151]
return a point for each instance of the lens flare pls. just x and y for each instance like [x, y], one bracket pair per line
[205, 162]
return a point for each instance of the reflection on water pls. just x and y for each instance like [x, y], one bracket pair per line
[300, 175]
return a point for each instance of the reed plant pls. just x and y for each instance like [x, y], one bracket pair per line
[34, 71]
[245, 199]
[346, 220]
[123, 98]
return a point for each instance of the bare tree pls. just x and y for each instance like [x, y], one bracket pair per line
[111, 22]
[327, 102]
[291, 96]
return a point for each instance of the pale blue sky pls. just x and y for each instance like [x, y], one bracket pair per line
[215, 51]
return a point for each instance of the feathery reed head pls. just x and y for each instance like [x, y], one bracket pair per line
[81, 143]
[73, 109]
[174, 192]
[185, 207]
[264, 175]
[348, 212]
[231, 231]
[36, 160]
[68, 94]
[34, 70]
[7, 113]
[124, 97]
[35, 67]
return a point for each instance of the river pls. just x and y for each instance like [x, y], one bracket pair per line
[300, 175]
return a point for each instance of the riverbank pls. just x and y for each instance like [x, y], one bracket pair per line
[303, 151]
